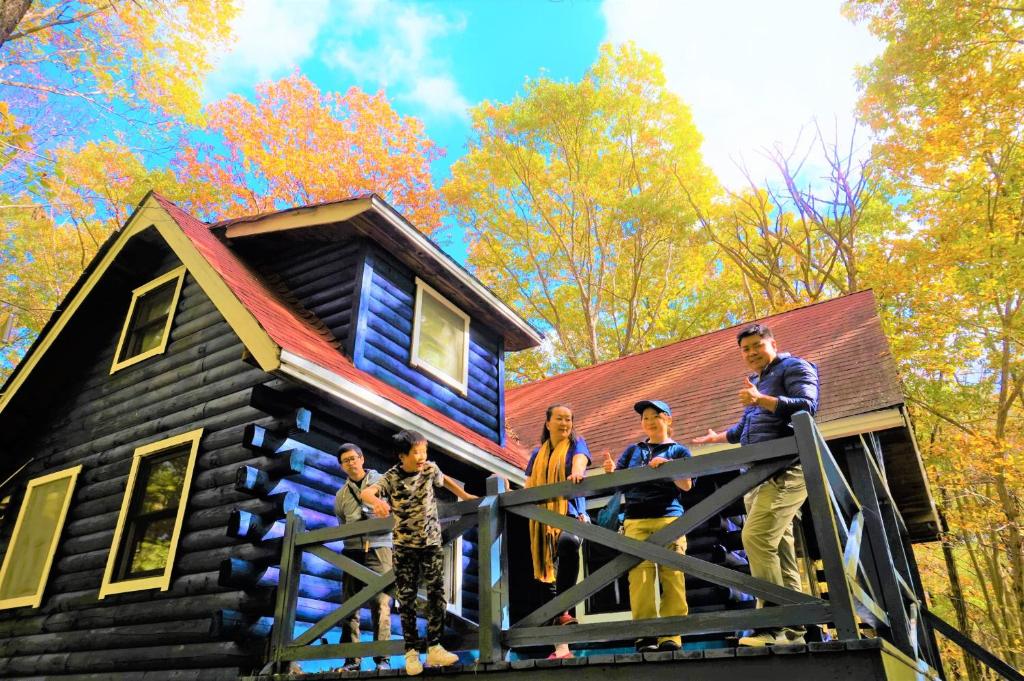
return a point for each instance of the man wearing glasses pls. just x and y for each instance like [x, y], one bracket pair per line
[373, 551]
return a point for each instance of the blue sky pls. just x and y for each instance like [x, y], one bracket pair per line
[754, 73]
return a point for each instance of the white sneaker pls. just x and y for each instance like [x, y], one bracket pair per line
[765, 638]
[413, 666]
[437, 656]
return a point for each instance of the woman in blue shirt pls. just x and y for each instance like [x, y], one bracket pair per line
[562, 455]
[650, 507]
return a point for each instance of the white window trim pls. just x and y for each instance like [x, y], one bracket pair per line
[455, 598]
[420, 363]
[161, 581]
[34, 600]
[177, 273]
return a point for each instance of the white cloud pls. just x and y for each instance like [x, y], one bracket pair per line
[392, 45]
[753, 72]
[272, 38]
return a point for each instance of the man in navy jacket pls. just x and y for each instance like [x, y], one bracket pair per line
[780, 386]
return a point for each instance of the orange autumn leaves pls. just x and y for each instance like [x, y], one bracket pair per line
[294, 145]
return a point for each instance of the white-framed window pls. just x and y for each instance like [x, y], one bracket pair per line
[440, 338]
[147, 327]
[152, 513]
[29, 556]
[453, 575]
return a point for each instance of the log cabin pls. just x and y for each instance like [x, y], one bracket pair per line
[191, 391]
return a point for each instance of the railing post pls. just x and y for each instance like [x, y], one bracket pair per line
[287, 590]
[840, 596]
[493, 557]
[883, 567]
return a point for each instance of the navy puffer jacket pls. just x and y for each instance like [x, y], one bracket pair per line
[794, 382]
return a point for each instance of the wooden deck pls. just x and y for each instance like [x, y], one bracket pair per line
[859, 660]
[872, 601]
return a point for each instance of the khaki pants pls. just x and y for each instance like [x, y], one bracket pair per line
[768, 530]
[380, 560]
[645, 577]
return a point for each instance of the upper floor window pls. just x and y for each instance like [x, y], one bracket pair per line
[146, 538]
[147, 327]
[34, 542]
[440, 338]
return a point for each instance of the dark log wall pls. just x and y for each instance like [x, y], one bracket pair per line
[322, 278]
[384, 328]
[267, 448]
[97, 420]
[314, 430]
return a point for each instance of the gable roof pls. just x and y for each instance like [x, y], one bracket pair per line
[372, 216]
[275, 334]
[699, 377]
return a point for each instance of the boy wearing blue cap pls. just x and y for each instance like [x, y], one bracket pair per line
[650, 507]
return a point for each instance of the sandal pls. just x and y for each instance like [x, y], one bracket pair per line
[556, 656]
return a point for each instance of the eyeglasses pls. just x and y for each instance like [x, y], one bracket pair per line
[351, 459]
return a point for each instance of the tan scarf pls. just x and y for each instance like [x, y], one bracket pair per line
[548, 468]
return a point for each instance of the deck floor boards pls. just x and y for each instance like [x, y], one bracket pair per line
[863, 660]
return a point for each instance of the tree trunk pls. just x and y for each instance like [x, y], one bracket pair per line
[957, 593]
[11, 12]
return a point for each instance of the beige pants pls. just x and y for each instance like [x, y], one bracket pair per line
[644, 578]
[768, 531]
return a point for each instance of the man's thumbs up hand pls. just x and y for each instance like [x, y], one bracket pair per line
[748, 393]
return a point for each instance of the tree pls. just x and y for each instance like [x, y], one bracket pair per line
[70, 206]
[296, 145]
[66, 63]
[945, 101]
[575, 217]
[801, 238]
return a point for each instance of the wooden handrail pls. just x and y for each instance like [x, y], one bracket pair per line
[851, 538]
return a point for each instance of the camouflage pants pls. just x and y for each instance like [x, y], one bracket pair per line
[412, 565]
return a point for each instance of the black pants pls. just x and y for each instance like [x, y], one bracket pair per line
[411, 566]
[567, 567]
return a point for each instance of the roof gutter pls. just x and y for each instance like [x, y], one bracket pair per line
[365, 401]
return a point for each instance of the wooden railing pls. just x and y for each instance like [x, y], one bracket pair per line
[873, 585]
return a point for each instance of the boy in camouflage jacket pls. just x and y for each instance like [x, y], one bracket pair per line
[417, 542]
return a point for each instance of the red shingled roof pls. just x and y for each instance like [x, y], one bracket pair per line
[286, 328]
[699, 377]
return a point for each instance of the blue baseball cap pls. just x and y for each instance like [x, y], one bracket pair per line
[654, 404]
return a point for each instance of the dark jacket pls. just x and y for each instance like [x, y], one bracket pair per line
[577, 505]
[658, 498]
[794, 382]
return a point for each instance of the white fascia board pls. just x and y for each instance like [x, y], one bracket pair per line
[366, 401]
[457, 273]
[870, 422]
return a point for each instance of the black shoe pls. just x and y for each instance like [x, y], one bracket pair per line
[668, 646]
[646, 645]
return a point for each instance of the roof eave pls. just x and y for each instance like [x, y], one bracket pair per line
[363, 400]
[519, 334]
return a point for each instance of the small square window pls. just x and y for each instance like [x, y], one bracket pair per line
[146, 538]
[440, 338]
[148, 324]
[34, 542]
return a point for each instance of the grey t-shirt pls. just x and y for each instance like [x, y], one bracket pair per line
[349, 508]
